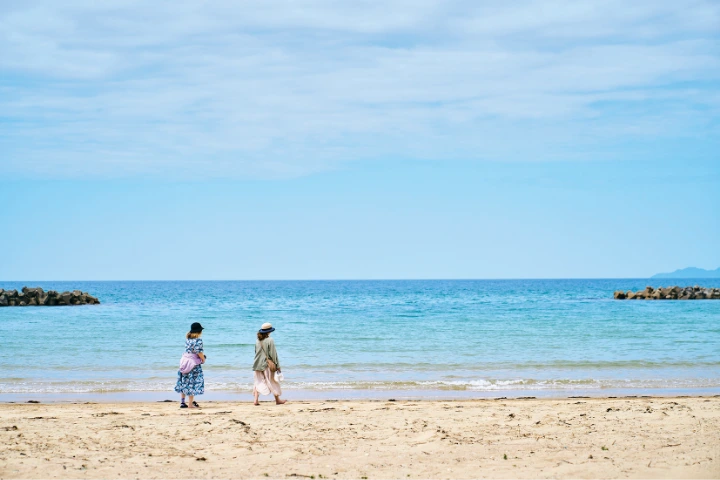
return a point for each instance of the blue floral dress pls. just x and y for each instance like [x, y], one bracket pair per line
[193, 382]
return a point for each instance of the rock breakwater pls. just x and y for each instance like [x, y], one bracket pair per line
[670, 293]
[28, 297]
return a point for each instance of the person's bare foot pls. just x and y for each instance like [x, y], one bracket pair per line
[257, 404]
[280, 402]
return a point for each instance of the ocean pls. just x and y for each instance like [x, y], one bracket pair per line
[366, 339]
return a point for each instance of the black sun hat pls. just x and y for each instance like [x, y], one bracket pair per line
[196, 328]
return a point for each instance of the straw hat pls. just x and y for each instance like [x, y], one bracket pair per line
[266, 328]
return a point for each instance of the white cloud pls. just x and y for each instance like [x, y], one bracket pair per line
[267, 88]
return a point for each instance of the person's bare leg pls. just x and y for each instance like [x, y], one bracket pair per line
[257, 396]
[278, 401]
[190, 401]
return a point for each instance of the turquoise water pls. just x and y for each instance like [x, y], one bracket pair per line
[431, 338]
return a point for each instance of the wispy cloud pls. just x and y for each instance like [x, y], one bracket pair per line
[278, 88]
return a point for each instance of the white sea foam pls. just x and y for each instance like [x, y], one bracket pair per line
[434, 385]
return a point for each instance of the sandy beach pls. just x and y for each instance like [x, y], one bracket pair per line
[501, 438]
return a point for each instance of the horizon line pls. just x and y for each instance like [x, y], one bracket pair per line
[365, 279]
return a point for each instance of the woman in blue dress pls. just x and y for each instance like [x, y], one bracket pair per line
[192, 383]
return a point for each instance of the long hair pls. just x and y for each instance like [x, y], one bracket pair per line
[262, 336]
[190, 335]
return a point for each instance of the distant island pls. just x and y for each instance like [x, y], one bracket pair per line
[690, 272]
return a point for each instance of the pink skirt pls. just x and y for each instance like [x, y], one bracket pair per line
[265, 383]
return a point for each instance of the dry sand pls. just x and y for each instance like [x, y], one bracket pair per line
[568, 438]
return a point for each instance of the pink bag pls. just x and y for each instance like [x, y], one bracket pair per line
[189, 361]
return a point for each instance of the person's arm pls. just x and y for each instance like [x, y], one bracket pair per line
[273, 354]
[199, 350]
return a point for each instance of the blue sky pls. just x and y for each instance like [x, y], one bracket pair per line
[394, 139]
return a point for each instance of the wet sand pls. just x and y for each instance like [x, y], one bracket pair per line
[534, 438]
